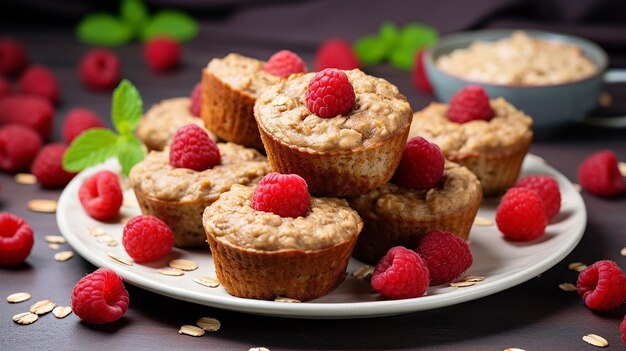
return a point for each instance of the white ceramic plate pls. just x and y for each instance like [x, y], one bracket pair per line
[503, 264]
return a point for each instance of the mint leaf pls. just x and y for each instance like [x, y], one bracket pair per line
[403, 58]
[417, 36]
[174, 24]
[388, 34]
[127, 107]
[130, 152]
[90, 148]
[103, 29]
[134, 13]
[370, 50]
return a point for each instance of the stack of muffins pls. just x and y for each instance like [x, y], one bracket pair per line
[347, 161]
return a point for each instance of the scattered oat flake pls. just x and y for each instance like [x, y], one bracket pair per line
[119, 259]
[623, 251]
[568, 287]
[461, 284]
[622, 168]
[54, 239]
[25, 318]
[514, 349]
[63, 256]
[483, 222]
[43, 206]
[207, 281]
[363, 272]
[595, 340]
[18, 297]
[53, 247]
[578, 187]
[209, 324]
[474, 278]
[42, 307]
[96, 231]
[259, 349]
[191, 330]
[25, 179]
[286, 300]
[185, 265]
[107, 239]
[577, 266]
[175, 272]
[61, 311]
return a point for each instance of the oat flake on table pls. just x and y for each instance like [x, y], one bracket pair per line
[209, 324]
[25, 318]
[61, 311]
[191, 330]
[595, 340]
[25, 179]
[54, 239]
[42, 205]
[18, 297]
[42, 307]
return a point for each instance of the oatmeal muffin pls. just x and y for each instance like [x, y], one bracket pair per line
[262, 255]
[347, 154]
[160, 123]
[230, 86]
[399, 216]
[493, 150]
[178, 196]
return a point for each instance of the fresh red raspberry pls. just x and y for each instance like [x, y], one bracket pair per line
[13, 57]
[547, 188]
[285, 63]
[599, 174]
[192, 148]
[469, 104]
[421, 166]
[602, 285]
[5, 87]
[99, 69]
[335, 53]
[19, 145]
[521, 215]
[101, 195]
[196, 100]
[79, 120]
[32, 111]
[147, 238]
[162, 53]
[446, 255]
[401, 274]
[48, 168]
[100, 297]
[419, 77]
[39, 81]
[622, 328]
[330, 94]
[286, 195]
[16, 239]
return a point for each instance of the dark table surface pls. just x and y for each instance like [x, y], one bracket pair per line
[535, 315]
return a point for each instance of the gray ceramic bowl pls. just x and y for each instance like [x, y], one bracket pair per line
[551, 106]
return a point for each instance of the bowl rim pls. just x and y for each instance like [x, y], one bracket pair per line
[468, 37]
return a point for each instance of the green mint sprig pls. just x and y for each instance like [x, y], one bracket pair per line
[134, 21]
[97, 145]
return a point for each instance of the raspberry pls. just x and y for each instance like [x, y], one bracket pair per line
[147, 238]
[101, 195]
[99, 69]
[335, 53]
[602, 285]
[469, 104]
[446, 255]
[622, 328]
[285, 63]
[421, 166]
[599, 174]
[192, 148]
[19, 145]
[162, 53]
[100, 297]
[401, 274]
[40, 81]
[286, 195]
[48, 169]
[330, 94]
[5, 87]
[16, 239]
[79, 120]
[196, 100]
[521, 215]
[31, 111]
[547, 188]
[419, 77]
[13, 57]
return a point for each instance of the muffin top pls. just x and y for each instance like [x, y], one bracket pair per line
[507, 128]
[156, 178]
[329, 221]
[160, 123]
[457, 188]
[379, 113]
[242, 73]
